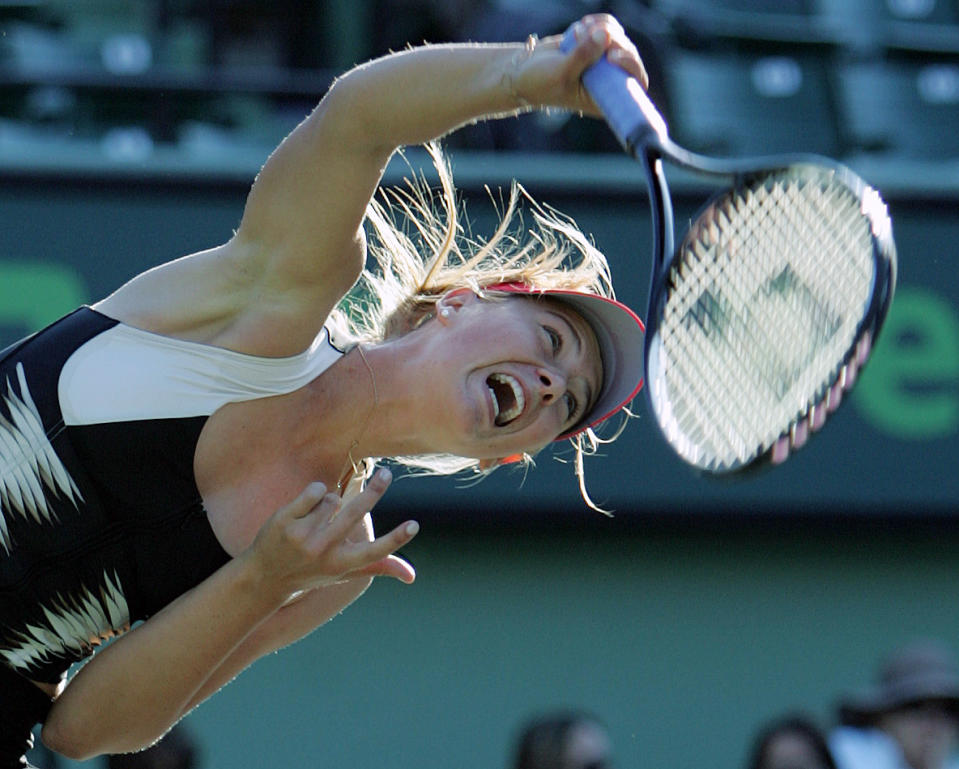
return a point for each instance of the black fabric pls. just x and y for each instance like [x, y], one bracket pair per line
[22, 706]
[136, 524]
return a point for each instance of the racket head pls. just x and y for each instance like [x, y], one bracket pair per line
[764, 314]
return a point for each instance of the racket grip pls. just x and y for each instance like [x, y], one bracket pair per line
[630, 113]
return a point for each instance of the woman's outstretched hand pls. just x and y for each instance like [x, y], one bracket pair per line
[547, 77]
[308, 544]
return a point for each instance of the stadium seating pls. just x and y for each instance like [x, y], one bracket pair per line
[901, 108]
[747, 104]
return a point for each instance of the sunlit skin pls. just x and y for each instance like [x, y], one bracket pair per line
[545, 345]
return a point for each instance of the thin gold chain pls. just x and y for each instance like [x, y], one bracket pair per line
[350, 467]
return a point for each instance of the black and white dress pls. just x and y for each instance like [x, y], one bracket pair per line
[101, 522]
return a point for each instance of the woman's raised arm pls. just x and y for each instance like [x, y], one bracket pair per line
[302, 221]
[300, 246]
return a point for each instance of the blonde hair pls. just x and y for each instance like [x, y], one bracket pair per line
[420, 248]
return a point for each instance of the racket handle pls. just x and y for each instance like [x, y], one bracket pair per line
[630, 113]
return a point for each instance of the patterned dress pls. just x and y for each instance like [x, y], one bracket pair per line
[101, 522]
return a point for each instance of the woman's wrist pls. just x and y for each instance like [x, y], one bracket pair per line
[252, 579]
[510, 78]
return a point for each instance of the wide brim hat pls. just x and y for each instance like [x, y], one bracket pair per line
[920, 672]
[620, 334]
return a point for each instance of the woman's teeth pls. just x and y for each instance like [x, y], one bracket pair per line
[508, 398]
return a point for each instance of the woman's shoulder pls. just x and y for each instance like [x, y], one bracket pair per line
[223, 297]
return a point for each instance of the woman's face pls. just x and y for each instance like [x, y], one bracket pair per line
[510, 374]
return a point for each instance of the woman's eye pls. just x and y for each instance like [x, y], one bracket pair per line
[570, 405]
[555, 340]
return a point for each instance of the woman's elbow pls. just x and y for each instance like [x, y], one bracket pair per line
[79, 739]
[66, 739]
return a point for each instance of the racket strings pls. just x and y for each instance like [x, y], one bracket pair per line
[776, 371]
[764, 301]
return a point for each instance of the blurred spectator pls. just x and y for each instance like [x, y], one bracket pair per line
[563, 740]
[909, 719]
[177, 750]
[790, 742]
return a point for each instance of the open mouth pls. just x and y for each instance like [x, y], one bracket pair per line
[508, 398]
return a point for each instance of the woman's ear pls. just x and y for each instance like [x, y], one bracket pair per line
[452, 302]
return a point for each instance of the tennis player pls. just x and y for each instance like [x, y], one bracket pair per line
[187, 465]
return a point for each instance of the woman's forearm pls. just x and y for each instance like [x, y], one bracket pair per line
[310, 199]
[134, 690]
[423, 93]
[289, 624]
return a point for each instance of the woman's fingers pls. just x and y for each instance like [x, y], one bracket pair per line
[326, 534]
[389, 543]
[315, 498]
[378, 560]
[544, 75]
[347, 515]
[305, 503]
[627, 58]
[600, 34]
[320, 539]
[391, 566]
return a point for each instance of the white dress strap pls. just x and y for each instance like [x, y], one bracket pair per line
[126, 373]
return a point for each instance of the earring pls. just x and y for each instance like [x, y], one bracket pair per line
[445, 312]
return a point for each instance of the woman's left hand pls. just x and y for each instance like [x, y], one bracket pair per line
[548, 77]
[307, 543]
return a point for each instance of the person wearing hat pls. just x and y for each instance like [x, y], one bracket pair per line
[193, 456]
[909, 719]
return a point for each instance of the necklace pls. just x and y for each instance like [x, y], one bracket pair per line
[350, 466]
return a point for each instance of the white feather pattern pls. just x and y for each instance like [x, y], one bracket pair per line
[73, 625]
[29, 467]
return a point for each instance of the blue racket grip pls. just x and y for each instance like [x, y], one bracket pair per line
[630, 113]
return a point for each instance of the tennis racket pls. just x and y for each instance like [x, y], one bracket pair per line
[759, 322]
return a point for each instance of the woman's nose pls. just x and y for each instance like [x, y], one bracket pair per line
[552, 384]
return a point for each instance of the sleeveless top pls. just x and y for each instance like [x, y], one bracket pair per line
[101, 521]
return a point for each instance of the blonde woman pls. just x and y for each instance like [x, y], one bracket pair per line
[190, 455]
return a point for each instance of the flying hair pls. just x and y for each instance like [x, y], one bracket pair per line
[420, 246]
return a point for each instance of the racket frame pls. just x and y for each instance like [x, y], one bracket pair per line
[643, 133]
